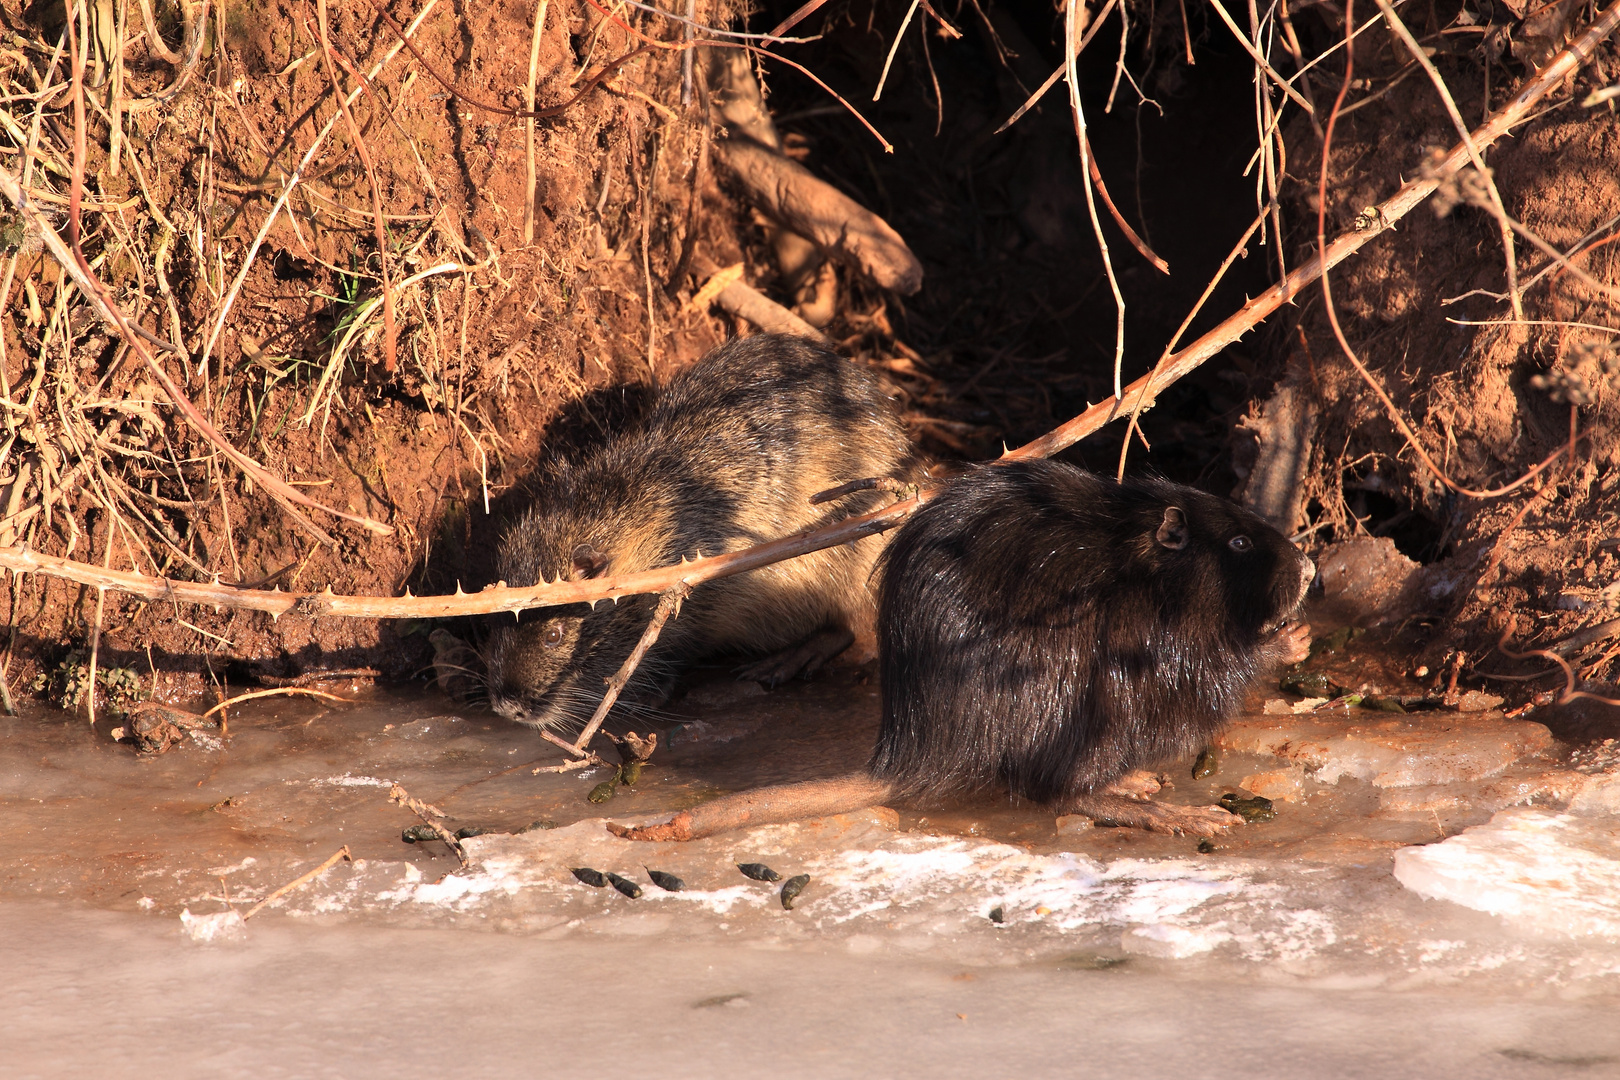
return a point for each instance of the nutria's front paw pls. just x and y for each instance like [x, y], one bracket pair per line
[678, 827]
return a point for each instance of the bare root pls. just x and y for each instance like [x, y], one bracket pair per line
[767, 806]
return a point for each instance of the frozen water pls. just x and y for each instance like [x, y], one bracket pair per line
[119, 996]
[1287, 948]
[1392, 751]
[1547, 873]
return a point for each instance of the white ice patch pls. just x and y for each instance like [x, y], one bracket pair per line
[220, 926]
[1550, 873]
[206, 740]
[1063, 891]
[921, 886]
[348, 780]
[222, 871]
[457, 891]
[1170, 942]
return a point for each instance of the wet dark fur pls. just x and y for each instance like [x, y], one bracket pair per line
[726, 457]
[1037, 633]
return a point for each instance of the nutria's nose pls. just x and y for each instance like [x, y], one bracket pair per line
[509, 707]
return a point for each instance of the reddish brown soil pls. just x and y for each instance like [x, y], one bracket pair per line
[1528, 564]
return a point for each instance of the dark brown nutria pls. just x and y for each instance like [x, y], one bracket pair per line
[1048, 631]
[726, 457]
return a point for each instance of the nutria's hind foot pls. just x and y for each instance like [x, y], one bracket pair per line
[1123, 811]
[803, 659]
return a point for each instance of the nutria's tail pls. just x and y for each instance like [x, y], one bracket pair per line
[768, 806]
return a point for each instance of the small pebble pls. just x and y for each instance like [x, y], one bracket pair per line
[998, 915]
[791, 888]
[594, 878]
[758, 871]
[624, 885]
[667, 882]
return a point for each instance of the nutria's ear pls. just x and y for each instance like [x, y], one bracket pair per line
[1173, 529]
[588, 563]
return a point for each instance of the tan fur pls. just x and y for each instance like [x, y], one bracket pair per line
[729, 457]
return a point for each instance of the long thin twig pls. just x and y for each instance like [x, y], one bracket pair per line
[1260, 61]
[1145, 394]
[429, 816]
[669, 605]
[1071, 55]
[276, 692]
[1057, 72]
[300, 881]
[894, 48]
[529, 175]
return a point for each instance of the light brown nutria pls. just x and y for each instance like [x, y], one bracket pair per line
[1046, 632]
[727, 456]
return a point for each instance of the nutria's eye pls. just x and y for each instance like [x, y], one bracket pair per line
[553, 636]
[1240, 543]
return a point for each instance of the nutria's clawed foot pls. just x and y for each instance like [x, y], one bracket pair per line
[1121, 810]
[803, 659]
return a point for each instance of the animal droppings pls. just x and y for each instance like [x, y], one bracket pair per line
[667, 882]
[758, 871]
[625, 885]
[791, 888]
